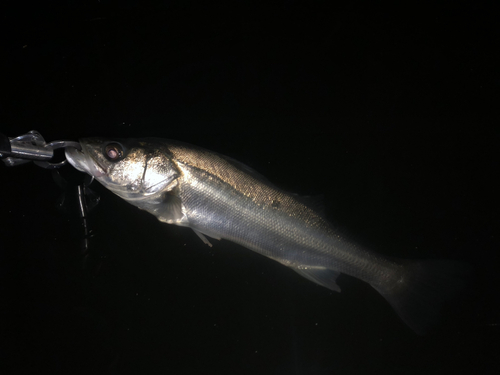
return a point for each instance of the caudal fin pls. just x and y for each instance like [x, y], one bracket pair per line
[423, 291]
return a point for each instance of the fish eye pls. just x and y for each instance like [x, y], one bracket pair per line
[113, 151]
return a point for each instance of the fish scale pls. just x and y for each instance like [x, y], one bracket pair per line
[222, 198]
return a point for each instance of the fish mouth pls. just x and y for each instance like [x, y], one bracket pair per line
[82, 161]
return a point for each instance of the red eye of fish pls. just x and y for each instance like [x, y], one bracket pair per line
[114, 151]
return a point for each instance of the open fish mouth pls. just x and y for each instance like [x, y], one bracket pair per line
[83, 162]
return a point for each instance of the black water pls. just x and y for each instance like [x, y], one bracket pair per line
[392, 119]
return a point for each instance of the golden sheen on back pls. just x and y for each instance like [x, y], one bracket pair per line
[222, 198]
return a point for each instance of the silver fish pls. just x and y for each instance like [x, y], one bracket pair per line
[222, 198]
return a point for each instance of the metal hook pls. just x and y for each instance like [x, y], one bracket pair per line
[31, 147]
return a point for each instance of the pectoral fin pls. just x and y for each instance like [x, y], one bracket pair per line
[170, 210]
[322, 276]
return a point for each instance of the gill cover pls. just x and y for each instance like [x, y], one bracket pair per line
[141, 172]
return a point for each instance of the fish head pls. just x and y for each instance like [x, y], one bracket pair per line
[132, 169]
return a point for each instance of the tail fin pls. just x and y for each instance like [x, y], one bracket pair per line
[423, 291]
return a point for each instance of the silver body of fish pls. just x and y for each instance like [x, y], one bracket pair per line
[222, 198]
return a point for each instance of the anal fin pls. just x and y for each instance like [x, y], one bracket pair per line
[322, 276]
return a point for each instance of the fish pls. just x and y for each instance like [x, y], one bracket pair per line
[222, 198]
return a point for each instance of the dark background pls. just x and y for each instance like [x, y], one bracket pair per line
[391, 116]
